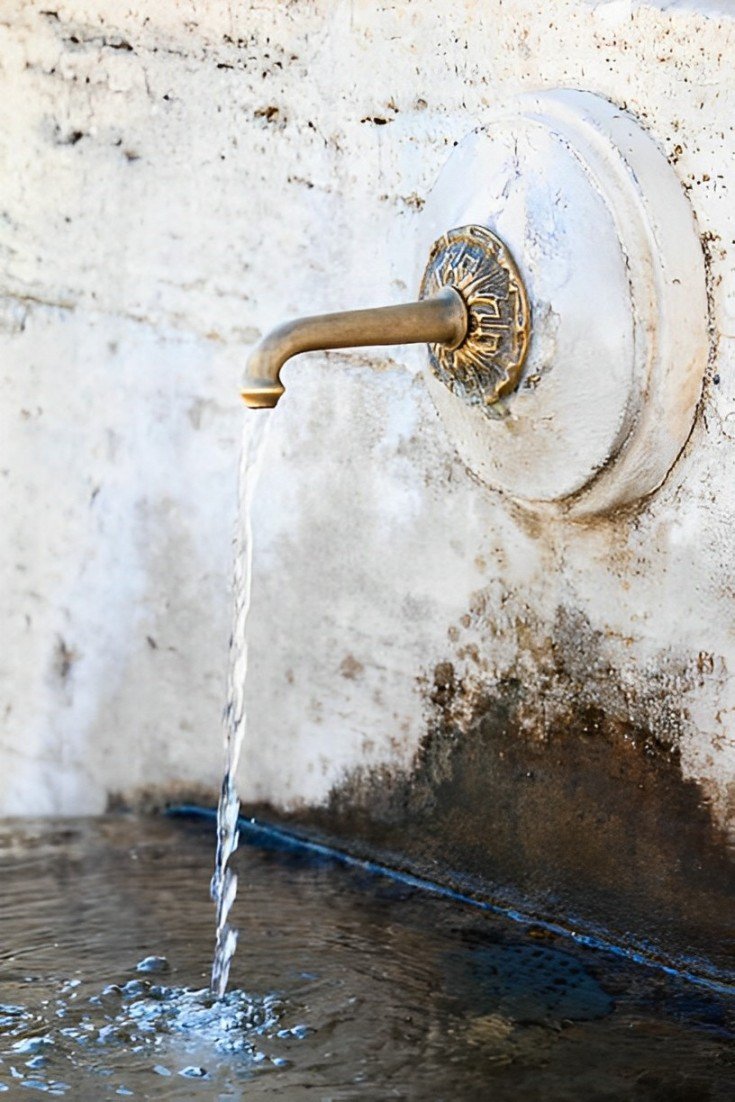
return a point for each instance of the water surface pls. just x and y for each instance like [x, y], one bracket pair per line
[345, 985]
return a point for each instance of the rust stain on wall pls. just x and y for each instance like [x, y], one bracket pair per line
[557, 781]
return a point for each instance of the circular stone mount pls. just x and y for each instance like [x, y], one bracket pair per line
[571, 189]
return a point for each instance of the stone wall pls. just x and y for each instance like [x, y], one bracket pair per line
[177, 179]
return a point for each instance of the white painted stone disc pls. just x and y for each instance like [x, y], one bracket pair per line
[604, 238]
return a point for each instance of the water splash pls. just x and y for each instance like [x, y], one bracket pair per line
[141, 1013]
[223, 886]
[146, 1028]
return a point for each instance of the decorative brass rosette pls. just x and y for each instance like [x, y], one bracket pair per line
[486, 366]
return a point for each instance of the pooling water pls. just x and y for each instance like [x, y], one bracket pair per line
[223, 885]
[347, 986]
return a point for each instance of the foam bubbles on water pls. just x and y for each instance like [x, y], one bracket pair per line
[152, 964]
[143, 1014]
[161, 1025]
[193, 1073]
[228, 1024]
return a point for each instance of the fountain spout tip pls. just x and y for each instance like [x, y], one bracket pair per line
[261, 393]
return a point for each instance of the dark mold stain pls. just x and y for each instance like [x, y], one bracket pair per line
[351, 668]
[154, 799]
[556, 787]
[70, 137]
[269, 114]
[64, 658]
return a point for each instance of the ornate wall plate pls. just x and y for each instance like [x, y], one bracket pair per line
[487, 365]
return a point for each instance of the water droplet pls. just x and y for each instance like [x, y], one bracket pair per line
[133, 987]
[32, 1044]
[153, 964]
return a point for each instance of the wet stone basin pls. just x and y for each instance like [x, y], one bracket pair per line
[345, 985]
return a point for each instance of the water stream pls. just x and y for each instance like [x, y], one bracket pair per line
[223, 886]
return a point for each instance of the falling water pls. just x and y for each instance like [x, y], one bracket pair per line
[223, 885]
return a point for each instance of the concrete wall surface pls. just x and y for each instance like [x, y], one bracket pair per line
[177, 178]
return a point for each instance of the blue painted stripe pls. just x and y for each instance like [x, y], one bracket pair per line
[260, 833]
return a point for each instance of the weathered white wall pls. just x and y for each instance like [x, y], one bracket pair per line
[178, 177]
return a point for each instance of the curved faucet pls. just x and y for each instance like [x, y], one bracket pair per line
[473, 313]
[441, 319]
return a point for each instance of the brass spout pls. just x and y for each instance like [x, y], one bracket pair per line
[441, 319]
